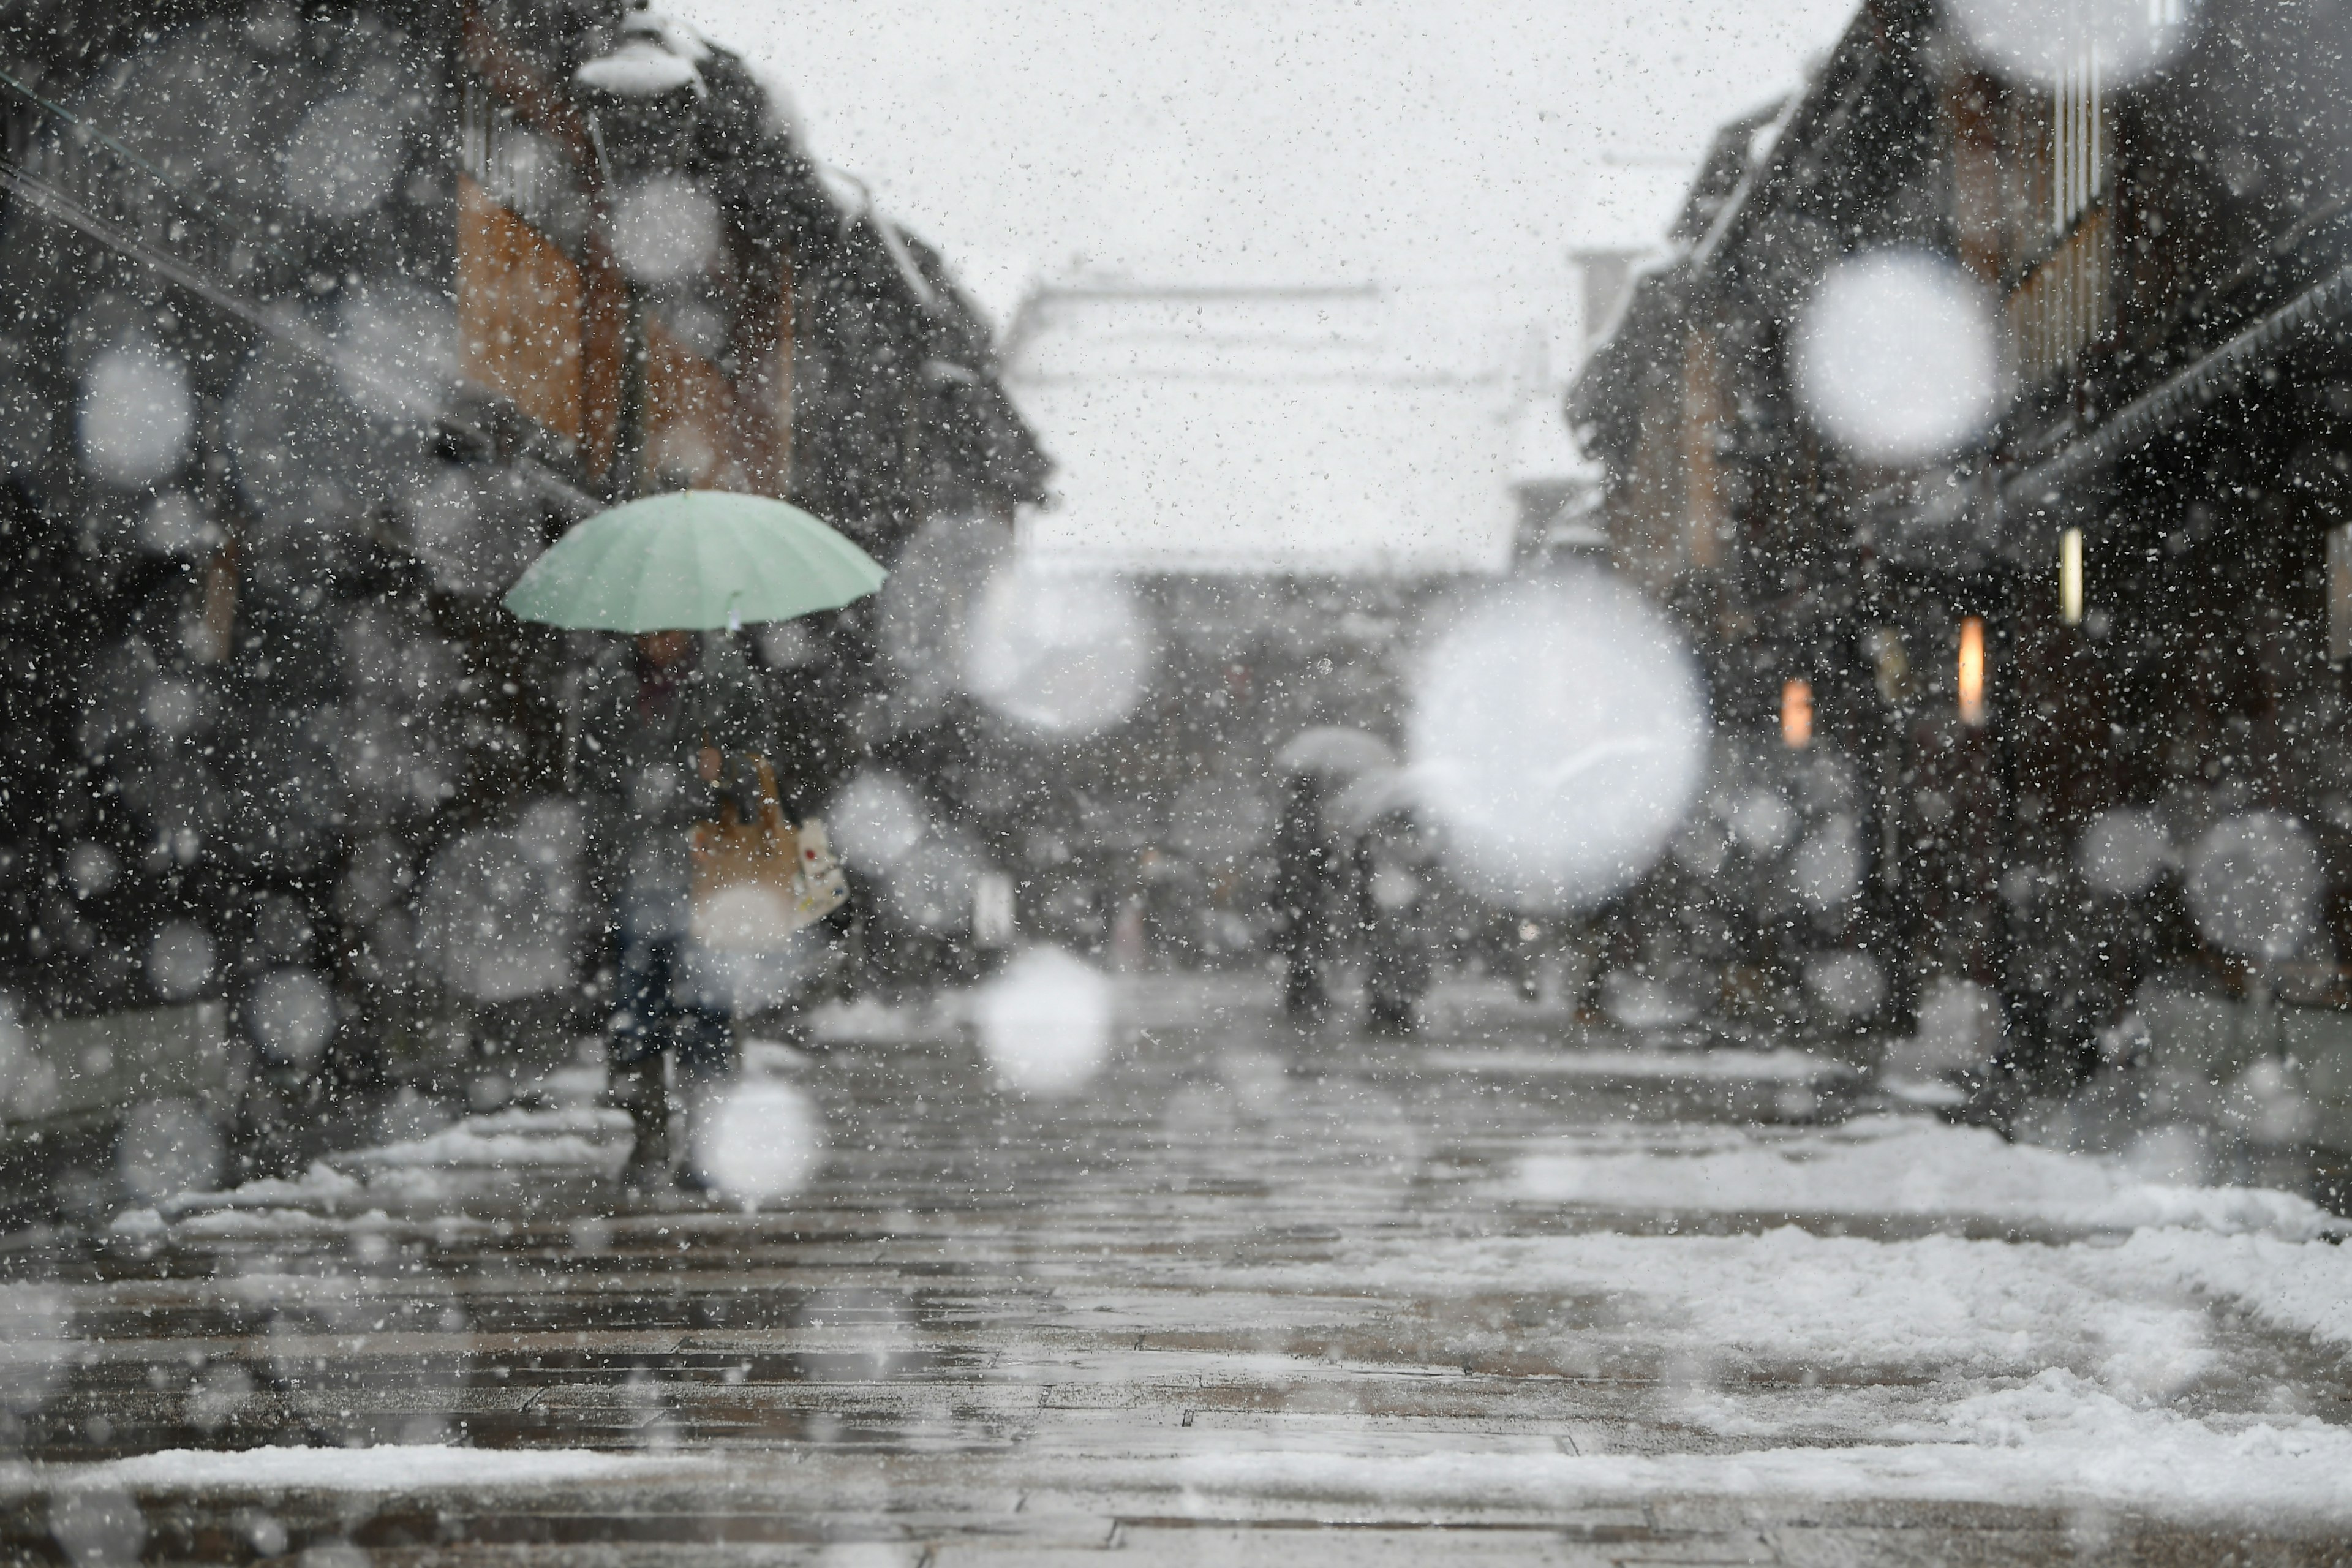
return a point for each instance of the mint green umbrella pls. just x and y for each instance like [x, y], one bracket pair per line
[692, 561]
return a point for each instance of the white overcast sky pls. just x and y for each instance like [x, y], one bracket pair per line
[1234, 140]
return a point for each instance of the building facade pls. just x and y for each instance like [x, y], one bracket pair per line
[2077, 669]
[318, 321]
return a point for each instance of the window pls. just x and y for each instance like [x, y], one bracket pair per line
[2077, 140]
[523, 170]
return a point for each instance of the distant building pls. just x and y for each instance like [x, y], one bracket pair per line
[1352, 428]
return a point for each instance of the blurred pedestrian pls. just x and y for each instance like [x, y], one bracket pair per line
[1306, 896]
[669, 727]
[1392, 863]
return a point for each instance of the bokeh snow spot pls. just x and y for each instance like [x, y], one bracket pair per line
[395, 352]
[2254, 884]
[664, 229]
[2040, 43]
[1559, 735]
[97, 1526]
[1897, 357]
[91, 869]
[1849, 983]
[36, 1344]
[179, 961]
[758, 1140]
[875, 820]
[176, 525]
[291, 1016]
[1064, 651]
[2124, 851]
[499, 912]
[344, 158]
[137, 414]
[1046, 1022]
[167, 1147]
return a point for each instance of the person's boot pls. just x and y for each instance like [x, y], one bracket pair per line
[637, 1089]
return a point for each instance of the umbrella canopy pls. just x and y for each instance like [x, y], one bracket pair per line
[692, 561]
[1334, 752]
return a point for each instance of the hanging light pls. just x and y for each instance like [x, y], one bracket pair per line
[1972, 670]
[2070, 576]
[1797, 714]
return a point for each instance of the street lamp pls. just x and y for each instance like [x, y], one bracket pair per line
[1972, 670]
[2070, 576]
[1796, 714]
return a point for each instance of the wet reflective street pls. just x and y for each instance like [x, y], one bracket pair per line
[1514, 1290]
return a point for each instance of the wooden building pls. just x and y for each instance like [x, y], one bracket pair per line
[2100, 625]
[317, 319]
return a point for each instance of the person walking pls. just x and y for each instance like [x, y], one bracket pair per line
[670, 728]
[670, 725]
[1304, 896]
[1392, 863]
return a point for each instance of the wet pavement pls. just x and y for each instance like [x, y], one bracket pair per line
[1515, 1290]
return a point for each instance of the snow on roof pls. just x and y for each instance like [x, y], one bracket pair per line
[679, 37]
[640, 68]
[1347, 428]
[656, 54]
[848, 191]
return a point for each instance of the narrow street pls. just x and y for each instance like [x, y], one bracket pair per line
[1508, 1292]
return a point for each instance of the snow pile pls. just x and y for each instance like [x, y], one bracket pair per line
[2053, 1442]
[1902, 1165]
[870, 1021]
[323, 1198]
[640, 68]
[1933, 1307]
[570, 1135]
[389, 1468]
[2302, 1287]
[320, 1185]
[1781, 1066]
[265, 1223]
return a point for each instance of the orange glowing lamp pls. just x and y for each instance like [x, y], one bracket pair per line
[1972, 670]
[1797, 714]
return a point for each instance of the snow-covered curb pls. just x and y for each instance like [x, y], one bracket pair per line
[1901, 1166]
[2053, 1442]
[1781, 1066]
[391, 1467]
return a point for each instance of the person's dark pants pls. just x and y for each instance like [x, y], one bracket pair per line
[649, 1019]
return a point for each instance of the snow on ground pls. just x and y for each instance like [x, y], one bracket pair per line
[321, 1184]
[324, 1199]
[1782, 1065]
[389, 1468]
[2053, 1440]
[1788, 1301]
[2302, 1287]
[1896, 1165]
[1934, 1368]
[566, 1135]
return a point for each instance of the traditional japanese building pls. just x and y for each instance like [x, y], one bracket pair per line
[2077, 671]
[318, 321]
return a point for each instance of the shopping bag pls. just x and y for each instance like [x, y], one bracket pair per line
[757, 883]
